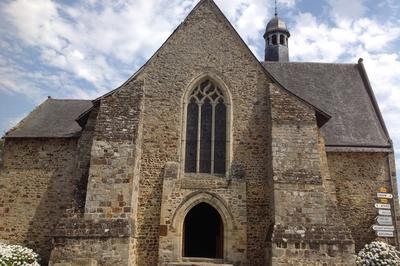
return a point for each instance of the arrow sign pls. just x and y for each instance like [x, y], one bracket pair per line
[384, 195]
[384, 233]
[384, 212]
[383, 189]
[384, 220]
[385, 201]
[383, 227]
[382, 206]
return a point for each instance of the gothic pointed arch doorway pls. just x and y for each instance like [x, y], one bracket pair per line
[203, 233]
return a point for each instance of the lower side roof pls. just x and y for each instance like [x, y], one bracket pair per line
[52, 119]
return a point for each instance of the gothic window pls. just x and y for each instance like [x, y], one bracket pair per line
[206, 130]
[282, 39]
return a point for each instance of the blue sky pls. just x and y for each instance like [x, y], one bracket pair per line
[83, 49]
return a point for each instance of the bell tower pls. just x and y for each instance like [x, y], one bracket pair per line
[276, 39]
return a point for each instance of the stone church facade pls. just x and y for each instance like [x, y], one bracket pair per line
[205, 156]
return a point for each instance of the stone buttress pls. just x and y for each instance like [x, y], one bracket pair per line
[104, 233]
[308, 229]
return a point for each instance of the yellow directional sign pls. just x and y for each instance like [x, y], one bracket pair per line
[383, 201]
[383, 189]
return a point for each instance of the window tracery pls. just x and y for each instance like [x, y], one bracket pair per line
[206, 130]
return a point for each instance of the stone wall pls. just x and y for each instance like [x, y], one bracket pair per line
[358, 177]
[37, 187]
[79, 241]
[204, 46]
[87, 252]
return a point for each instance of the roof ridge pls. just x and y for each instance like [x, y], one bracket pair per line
[83, 100]
[315, 63]
[370, 92]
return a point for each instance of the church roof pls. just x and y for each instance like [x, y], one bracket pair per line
[341, 90]
[52, 119]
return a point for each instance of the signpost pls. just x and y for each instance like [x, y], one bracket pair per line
[385, 201]
[384, 220]
[384, 226]
[384, 195]
[385, 233]
[382, 206]
[384, 212]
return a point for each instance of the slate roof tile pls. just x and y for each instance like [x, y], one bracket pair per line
[52, 119]
[339, 90]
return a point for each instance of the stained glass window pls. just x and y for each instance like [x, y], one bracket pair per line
[191, 136]
[206, 130]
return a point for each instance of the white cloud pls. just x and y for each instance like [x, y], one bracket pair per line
[319, 41]
[384, 72]
[11, 122]
[100, 41]
[287, 3]
[82, 39]
[348, 39]
[313, 41]
[347, 10]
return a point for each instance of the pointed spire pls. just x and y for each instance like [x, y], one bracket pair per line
[276, 8]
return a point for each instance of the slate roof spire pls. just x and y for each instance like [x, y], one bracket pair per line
[276, 39]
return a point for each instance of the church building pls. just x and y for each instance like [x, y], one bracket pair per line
[206, 156]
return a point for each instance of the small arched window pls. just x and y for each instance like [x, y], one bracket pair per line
[274, 39]
[282, 39]
[206, 127]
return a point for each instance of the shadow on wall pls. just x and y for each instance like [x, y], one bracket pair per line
[61, 199]
[54, 204]
[358, 177]
[66, 186]
[39, 185]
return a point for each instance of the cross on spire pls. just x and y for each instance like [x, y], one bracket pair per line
[276, 8]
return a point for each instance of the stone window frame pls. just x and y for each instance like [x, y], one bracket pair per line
[228, 104]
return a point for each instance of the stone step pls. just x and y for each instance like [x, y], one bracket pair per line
[199, 262]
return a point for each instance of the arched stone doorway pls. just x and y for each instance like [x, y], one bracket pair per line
[203, 232]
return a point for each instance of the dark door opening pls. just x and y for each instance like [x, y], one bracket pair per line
[203, 235]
